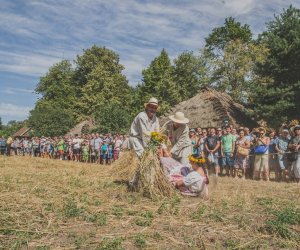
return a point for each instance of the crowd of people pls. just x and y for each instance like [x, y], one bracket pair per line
[226, 151]
[253, 154]
[92, 148]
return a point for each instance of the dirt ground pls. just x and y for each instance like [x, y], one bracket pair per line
[51, 204]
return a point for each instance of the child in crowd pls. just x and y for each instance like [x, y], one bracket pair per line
[85, 152]
[104, 152]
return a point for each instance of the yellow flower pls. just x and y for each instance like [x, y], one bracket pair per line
[158, 137]
[196, 159]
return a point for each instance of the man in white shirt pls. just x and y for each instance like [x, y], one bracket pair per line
[143, 124]
[76, 147]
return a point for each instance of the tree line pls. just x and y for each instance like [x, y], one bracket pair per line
[261, 73]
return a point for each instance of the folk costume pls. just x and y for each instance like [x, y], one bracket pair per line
[142, 126]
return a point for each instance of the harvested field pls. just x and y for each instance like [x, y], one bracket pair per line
[51, 204]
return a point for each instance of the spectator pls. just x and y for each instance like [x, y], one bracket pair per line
[201, 141]
[294, 146]
[211, 145]
[97, 145]
[117, 147]
[261, 161]
[281, 148]
[242, 146]
[60, 147]
[3, 145]
[76, 147]
[227, 150]
[85, 151]
[193, 138]
[104, 152]
[9, 143]
[273, 159]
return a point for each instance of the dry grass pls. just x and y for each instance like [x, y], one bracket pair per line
[50, 204]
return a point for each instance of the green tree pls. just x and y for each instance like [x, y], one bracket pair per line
[279, 100]
[232, 30]
[58, 85]
[56, 108]
[50, 120]
[232, 57]
[99, 76]
[11, 127]
[158, 81]
[235, 73]
[112, 117]
[190, 74]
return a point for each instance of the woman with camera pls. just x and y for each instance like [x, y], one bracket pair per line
[261, 151]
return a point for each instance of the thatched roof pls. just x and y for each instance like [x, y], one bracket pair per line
[82, 127]
[23, 132]
[210, 108]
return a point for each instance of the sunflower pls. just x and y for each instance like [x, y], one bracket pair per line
[158, 138]
[195, 159]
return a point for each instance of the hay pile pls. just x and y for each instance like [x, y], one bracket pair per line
[144, 175]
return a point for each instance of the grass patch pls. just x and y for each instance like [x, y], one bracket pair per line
[65, 205]
[71, 208]
[140, 241]
[111, 244]
[282, 221]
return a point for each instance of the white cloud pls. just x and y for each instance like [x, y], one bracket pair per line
[16, 91]
[11, 110]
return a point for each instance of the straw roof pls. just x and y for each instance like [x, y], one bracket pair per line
[82, 127]
[209, 108]
[23, 132]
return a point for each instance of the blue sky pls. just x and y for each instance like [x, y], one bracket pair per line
[35, 34]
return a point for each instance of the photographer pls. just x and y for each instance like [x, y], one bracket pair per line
[261, 151]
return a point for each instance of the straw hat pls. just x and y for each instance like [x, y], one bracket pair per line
[152, 101]
[179, 118]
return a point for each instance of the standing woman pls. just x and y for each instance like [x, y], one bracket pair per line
[273, 159]
[242, 147]
[261, 151]
[201, 142]
[193, 138]
[294, 146]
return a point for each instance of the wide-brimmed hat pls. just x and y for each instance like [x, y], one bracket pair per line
[152, 101]
[179, 118]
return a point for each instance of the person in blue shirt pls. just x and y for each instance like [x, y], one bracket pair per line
[281, 148]
[104, 152]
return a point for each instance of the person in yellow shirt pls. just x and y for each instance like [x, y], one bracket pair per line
[8, 145]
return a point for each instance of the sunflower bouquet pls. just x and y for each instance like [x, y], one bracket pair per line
[195, 159]
[157, 138]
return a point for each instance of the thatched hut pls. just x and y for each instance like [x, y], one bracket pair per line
[23, 132]
[82, 128]
[209, 108]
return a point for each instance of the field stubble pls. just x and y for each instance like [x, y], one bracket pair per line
[52, 204]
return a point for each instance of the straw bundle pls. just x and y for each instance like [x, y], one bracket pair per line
[144, 174]
[150, 178]
[125, 167]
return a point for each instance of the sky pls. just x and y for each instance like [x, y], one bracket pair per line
[35, 34]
